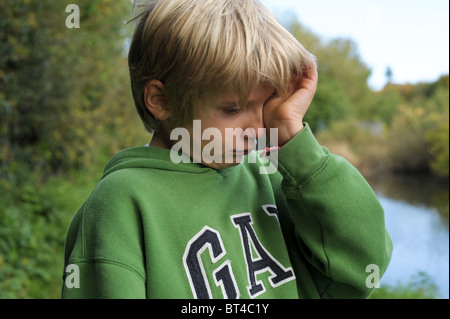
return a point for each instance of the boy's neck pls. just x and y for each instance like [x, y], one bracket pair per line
[159, 141]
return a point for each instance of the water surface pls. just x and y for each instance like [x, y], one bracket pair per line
[416, 210]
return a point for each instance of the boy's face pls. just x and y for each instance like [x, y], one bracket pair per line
[228, 130]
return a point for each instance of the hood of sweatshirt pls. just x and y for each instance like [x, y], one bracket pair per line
[157, 158]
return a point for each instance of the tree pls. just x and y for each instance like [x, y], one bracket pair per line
[389, 75]
[342, 91]
[54, 81]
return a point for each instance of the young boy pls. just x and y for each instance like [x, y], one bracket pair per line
[221, 222]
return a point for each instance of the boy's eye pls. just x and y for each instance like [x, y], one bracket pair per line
[275, 94]
[232, 110]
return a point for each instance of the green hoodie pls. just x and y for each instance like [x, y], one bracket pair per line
[155, 229]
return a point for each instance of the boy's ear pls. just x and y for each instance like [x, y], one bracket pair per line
[156, 100]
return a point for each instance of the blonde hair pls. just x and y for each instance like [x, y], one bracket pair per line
[200, 47]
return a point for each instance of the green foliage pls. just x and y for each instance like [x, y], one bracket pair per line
[438, 141]
[35, 217]
[65, 106]
[340, 60]
[330, 105]
[418, 130]
[342, 87]
[404, 130]
[57, 83]
[408, 146]
[421, 286]
[383, 106]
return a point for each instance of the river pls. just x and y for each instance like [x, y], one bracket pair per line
[416, 210]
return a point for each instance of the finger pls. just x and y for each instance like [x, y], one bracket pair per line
[309, 81]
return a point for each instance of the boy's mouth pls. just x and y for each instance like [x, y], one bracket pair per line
[242, 152]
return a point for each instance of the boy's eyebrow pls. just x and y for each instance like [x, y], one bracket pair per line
[234, 103]
[229, 103]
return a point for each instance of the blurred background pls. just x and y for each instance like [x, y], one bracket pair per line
[66, 108]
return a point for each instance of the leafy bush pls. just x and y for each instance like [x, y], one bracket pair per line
[65, 107]
[56, 84]
[35, 217]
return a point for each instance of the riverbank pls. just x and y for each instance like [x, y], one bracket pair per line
[372, 157]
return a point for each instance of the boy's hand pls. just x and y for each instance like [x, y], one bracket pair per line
[286, 112]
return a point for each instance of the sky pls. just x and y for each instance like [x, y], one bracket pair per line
[409, 36]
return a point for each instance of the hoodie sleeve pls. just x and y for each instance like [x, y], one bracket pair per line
[337, 220]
